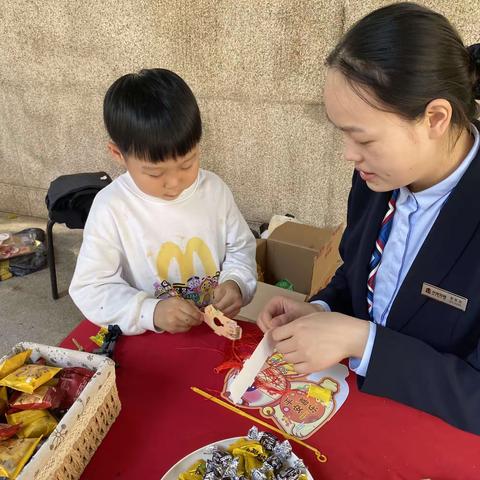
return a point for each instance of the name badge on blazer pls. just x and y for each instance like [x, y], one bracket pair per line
[444, 296]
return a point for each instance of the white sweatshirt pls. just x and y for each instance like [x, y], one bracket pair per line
[133, 242]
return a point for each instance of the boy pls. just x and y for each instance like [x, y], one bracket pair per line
[165, 238]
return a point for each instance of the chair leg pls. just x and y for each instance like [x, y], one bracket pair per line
[51, 259]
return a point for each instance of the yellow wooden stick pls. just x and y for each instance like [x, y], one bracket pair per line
[78, 345]
[319, 456]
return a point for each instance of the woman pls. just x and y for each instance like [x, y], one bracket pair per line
[405, 306]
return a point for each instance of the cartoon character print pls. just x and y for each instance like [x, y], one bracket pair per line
[164, 290]
[197, 289]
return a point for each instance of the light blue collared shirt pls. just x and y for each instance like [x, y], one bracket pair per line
[415, 215]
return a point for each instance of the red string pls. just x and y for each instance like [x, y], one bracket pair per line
[239, 351]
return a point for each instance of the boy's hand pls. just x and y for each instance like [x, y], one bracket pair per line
[176, 315]
[281, 310]
[227, 297]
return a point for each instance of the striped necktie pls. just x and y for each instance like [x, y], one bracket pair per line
[378, 250]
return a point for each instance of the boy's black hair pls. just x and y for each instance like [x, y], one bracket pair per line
[152, 115]
[409, 55]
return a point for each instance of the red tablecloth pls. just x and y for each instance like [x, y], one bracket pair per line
[162, 420]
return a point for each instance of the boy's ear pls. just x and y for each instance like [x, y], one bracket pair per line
[116, 154]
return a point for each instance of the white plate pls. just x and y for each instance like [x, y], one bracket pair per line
[199, 454]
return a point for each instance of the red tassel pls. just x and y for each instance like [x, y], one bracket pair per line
[239, 351]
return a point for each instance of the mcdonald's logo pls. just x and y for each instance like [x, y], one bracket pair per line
[170, 251]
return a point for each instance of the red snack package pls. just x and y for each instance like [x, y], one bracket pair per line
[7, 431]
[42, 398]
[71, 382]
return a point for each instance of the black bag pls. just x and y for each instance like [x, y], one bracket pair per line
[70, 197]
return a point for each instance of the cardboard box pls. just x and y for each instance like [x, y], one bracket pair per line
[263, 294]
[304, 255]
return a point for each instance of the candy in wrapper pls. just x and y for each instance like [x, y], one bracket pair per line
[251, 459]
[283, 450]
[71, 383]
[275, 462]
[3, 400]
[255, 450]
[7, 431]
[14, 454]
[291, 473]
[12, 363]
[35, 423]
[42, 398]
[258, 475]
[99, 338]
[195, 472]
[211, 476]
[254, 433]
[213, 469]
[231, 468]
[268, 441]
[29, 377]
[221, 457]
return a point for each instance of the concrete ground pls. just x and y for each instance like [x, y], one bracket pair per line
[27, 310]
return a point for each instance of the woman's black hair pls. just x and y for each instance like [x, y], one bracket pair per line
[152, 115]
[408, 55]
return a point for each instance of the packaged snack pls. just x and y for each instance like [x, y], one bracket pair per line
[34, 423]
[14, 454]
[14, 245]
[3, 400]
[42, 398]
[29, 377]
[7, 431]
[71, 382]
[12, 363]
[195, 472]
[99, 337]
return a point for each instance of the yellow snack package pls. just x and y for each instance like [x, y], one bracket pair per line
[250, 453]
[99, 337]
[250, 462]
[3, 400]
[241, 465]
[12, 363]
[195, 472]
[241, 443]
[5, 273]
[14, 454]
[29, 377]
[35, 423]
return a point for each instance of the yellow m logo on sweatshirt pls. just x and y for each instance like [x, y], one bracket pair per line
[169, 251]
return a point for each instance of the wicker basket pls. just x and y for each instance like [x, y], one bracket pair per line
[69, 448]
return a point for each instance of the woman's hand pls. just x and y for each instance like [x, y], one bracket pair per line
[319, 340]
[281, 310]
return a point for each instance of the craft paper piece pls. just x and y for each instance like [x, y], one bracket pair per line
[298, 404]
[251, 368]
[221, 324]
